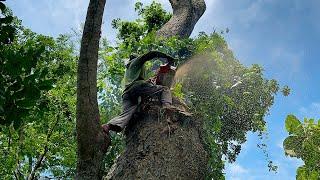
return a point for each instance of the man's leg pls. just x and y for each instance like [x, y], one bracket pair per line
[166, 97]
[148, 89]
[120, 122]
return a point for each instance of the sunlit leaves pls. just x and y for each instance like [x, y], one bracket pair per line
[37, 105]
[24, 75]
[220, 89]
[304, 142]
[293, 125]
[292, 146]
[177, 91]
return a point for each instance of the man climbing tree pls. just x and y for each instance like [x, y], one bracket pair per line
[161, 149]
[91, 139]
[137, 88]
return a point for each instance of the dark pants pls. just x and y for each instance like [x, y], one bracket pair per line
[130, 101]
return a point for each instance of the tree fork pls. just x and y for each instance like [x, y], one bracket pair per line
[90, 138]
[186, 14]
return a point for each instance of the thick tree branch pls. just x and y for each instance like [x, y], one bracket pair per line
[17, 172]
[186, 14]
[38, 163]
[89, 134]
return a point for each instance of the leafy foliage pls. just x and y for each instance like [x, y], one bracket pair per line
[22, 81]
[231, 98]
[37, 105]
[24, 71]
[7, 30]
[153, 17]
[304, 142]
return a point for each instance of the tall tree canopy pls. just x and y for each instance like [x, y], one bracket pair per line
[37, 103]
[38, 79]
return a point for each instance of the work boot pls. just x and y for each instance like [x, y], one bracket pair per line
[106, 128]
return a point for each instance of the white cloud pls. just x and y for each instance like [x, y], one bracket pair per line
[287, 63]
[67, 12]
[312, 111]
[235, 171]
[254, 13]
[211, 3]
[280, 144]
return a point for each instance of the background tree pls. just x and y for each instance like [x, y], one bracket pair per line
[303, 142]
[36, 99]
[91, 140]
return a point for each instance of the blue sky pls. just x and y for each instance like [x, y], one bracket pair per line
[282, 36]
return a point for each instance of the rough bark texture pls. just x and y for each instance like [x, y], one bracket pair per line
[91, 141]
[186, 14]
[162, 146]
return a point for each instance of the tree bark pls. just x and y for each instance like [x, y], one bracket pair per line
[186, 14]
[90, 138]
[162, 145]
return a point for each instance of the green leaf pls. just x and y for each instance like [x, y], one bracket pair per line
[25, 103]
[46, 84]
[286, 91]
[2, 6]
[292, 146]
[17, 124]
[6, 20]
[31, 92]
[301, 173]
[293, 125]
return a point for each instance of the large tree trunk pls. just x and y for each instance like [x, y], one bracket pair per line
[186, 14]
[161, 145]
[91, 141]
